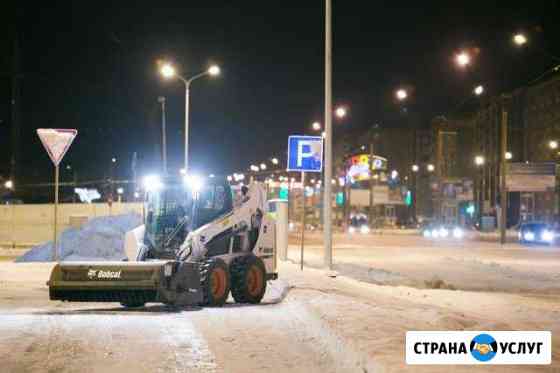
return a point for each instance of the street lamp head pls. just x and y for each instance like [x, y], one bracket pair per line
[479, 160]
[478, 90]
[167, 70]
[520, 39]
[415, 168]
[120, 190]
[214, 70]
[341, 112]
[274, 161]
[509, 155]
[114, 160]
[316, 126]
[463, 59]
[263, 166]
[553, 144]
[9, 184]
[401, 94]
[430, 167]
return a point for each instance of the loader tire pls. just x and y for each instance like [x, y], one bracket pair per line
[214, 282]
[248, 279]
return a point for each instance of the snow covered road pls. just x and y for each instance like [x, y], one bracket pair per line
[322, 325]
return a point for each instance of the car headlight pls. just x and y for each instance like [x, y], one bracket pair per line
[547, 235]
[443, 232]
[435, 233]
[364, 229]
[458, 233]
[351, 230]
[427, 233]
[529, 236]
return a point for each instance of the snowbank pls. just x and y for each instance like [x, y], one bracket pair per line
[100, 238]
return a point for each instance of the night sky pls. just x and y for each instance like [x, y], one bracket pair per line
[93, 67]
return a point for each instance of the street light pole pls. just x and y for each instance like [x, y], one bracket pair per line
[168, 71]
[161, 100]
[327, 203]
[187, 98]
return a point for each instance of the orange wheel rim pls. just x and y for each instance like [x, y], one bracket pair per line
[254, 281]
[218, 283]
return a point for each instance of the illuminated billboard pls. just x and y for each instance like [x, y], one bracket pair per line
[358, 166]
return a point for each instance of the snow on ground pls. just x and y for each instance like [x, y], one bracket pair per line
[100, 238]
[322, 325]
[424, 263]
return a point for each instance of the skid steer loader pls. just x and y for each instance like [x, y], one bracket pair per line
[193, 249]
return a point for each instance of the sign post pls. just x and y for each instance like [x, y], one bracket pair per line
[305, 154]
[302, 217]
[56, 143]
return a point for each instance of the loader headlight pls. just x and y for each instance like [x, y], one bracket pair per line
[194, 182]
[152, 182]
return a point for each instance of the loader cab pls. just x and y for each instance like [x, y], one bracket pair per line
[175, 206]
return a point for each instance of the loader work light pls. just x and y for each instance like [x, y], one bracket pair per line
[152, 182]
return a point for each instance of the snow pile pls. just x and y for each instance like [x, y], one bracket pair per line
[100, 238]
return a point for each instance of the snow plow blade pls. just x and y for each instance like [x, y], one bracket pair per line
[129, 283]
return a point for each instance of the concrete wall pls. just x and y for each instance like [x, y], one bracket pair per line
[28, 225]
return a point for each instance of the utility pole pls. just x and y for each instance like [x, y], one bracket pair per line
[327, 202]
[503, 165]
[161, 100]
[15, 111]
[371, 186]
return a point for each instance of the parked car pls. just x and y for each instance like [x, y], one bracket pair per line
[537, 233]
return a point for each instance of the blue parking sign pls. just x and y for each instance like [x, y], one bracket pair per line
[305, 153]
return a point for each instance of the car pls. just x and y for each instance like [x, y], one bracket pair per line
[435, 230]
[537, 233]
[358, 223]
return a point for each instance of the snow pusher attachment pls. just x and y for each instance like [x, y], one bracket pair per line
[129, 283]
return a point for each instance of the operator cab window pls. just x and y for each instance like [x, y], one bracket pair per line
[214, 200]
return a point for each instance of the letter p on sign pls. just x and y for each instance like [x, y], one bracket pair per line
[305, 153]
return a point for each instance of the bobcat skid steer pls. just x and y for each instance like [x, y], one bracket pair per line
[193, 249]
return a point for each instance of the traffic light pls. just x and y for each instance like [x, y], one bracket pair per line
[408, 198]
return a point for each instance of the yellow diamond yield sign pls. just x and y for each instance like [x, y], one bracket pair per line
[56, 142]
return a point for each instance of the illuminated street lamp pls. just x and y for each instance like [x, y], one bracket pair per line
[168, 71]
[9, 184]
[509, 155]
[553, 144]
[120, 191]
[274, 161]
[415, 168]
[401, 94]
[463, 59]
[316, 126]
[114, 160]
[254, 168]
[478, 90]
[263, 166]
[341, 112]
[520, 39]
[430, 167]
[479, 160]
